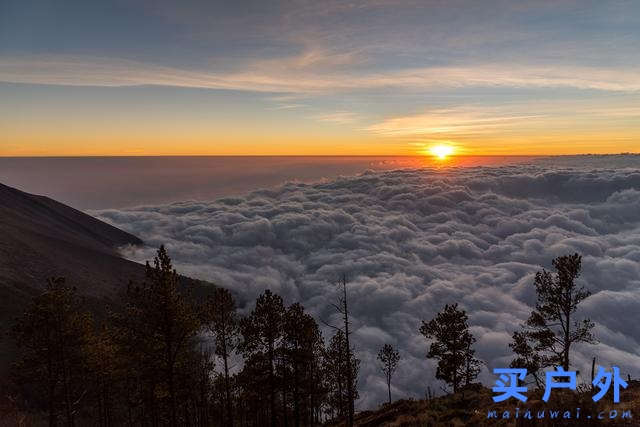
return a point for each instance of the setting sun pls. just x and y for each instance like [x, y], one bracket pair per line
[441, 151]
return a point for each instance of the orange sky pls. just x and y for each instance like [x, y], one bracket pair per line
[319, 79]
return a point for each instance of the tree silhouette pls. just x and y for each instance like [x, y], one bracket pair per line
[262, 335]
[389, 358]
[104, 376]
[551, 330]
[342, 306]
[301, 340]
[451, 346]
[221, 320]
[53, 336]
[336, 367]
[157, 333]
[526, 356]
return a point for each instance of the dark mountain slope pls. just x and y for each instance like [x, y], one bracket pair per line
[39, 214]
[42, 238]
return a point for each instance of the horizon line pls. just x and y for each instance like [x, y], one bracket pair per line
[81, 156]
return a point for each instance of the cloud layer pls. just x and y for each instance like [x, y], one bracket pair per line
[297, 75]
[414, 240]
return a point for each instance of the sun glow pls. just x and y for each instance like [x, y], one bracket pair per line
[441, 151]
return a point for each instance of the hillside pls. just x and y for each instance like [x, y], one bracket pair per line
[42, 238]
[471, 406]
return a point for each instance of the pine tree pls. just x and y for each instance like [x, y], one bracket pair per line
[262, 336]
[104, 376]
[301, 340]
[451, 346]
[157, 332]
[53, 337]
[316, 385]
[342, 306]
[389, 358]
[551, 330]
[222, 321]
[526, 356]
[336, 367]
[203, 387]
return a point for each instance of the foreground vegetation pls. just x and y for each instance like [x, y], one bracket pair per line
[164, 356]
[471, 405]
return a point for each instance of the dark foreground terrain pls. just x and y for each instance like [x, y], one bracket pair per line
[471, 406]
[42, 238]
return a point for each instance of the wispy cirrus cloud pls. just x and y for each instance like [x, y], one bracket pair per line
[306, 76]
[288, 106]
[450, 122]
[340, 117]
[478, 120]
[393, 63]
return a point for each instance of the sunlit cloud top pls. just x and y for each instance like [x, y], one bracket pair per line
[361, 77]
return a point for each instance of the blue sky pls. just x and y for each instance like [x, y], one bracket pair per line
[333, 77]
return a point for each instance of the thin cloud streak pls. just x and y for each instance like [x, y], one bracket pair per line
[479, 120]
[340, 117]
[449, 121]
[304, 79]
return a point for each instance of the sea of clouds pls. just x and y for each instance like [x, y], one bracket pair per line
[414, 240]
